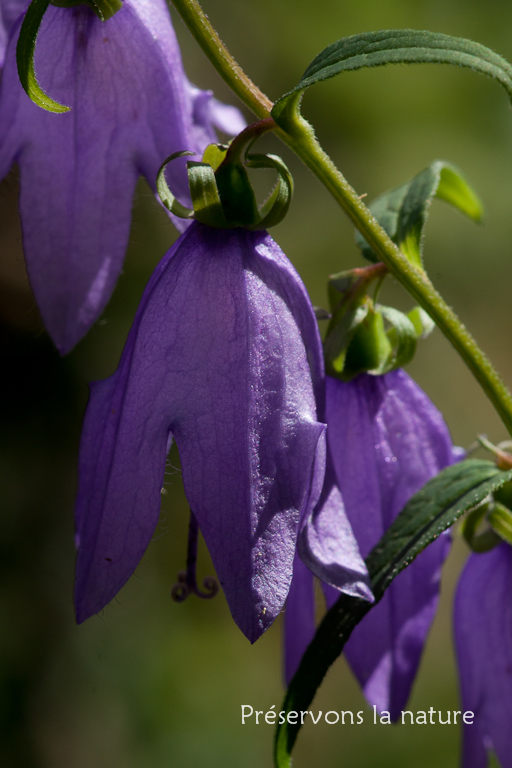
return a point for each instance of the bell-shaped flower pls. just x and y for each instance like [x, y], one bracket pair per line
[385, 440]
[483, 636]
[221, 357]
[131, 106]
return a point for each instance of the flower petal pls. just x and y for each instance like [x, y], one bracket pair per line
[483, 636]
[387, 439]
[327, 544]
[215, 357]
[131, 108]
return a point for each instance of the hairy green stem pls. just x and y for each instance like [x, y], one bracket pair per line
[300, 137]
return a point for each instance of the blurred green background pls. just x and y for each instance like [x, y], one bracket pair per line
[153, 683]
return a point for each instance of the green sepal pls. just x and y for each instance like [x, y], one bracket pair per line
[104, 9]
[403, 212]
[236, 193]
[370, 348]
[422, 322]
[25, 51]
[166, 196]
[349, 307]
[395, 46]
[339, 336]
[402, 337]
[206, 201]
[275, 208]
[431, 511]
[500, 520]
[478, 535]
[215, 154]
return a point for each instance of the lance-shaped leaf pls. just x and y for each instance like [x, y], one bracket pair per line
[395, 46]
[431, 511]
[403, 211]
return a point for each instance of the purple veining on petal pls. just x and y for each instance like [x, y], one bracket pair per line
[215, 357]
[483, 637]
[387, 439]
[131, 108]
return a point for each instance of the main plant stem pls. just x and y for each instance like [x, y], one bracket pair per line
[299, 136]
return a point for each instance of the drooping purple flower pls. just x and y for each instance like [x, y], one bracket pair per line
[132, 106]
[385, 440]
[217, 360]
[483, 636]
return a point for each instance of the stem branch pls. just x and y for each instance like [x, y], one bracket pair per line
[299, 136]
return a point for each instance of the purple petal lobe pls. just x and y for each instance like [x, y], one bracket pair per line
[131, 108]
[327, 544]
[216, 357]
[386, 440]
[483, 636]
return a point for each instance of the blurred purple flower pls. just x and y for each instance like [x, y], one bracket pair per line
[483, 636]
[217, 359]
[132, 106]
[10, 11]
[385, 439]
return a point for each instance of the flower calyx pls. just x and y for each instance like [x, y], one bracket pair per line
[490, 523]
[26, 47]
[221, 192]
[364, 336]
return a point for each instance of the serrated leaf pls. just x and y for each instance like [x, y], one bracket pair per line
[396, 46]
[403, 212]
[431, 511]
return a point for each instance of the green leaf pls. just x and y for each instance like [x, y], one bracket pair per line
[431, 511]
[403, 212]
[25, 52]
[395, 46]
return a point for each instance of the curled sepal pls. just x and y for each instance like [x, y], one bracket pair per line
[392, 46]
[166, 196]
[403, 212]
[220, 189]
[479, 536]
[25, 52]
[275, 208]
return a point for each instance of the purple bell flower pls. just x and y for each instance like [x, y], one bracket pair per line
[385, 440]
[132, 106]
[216, 359]
[483, 636]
